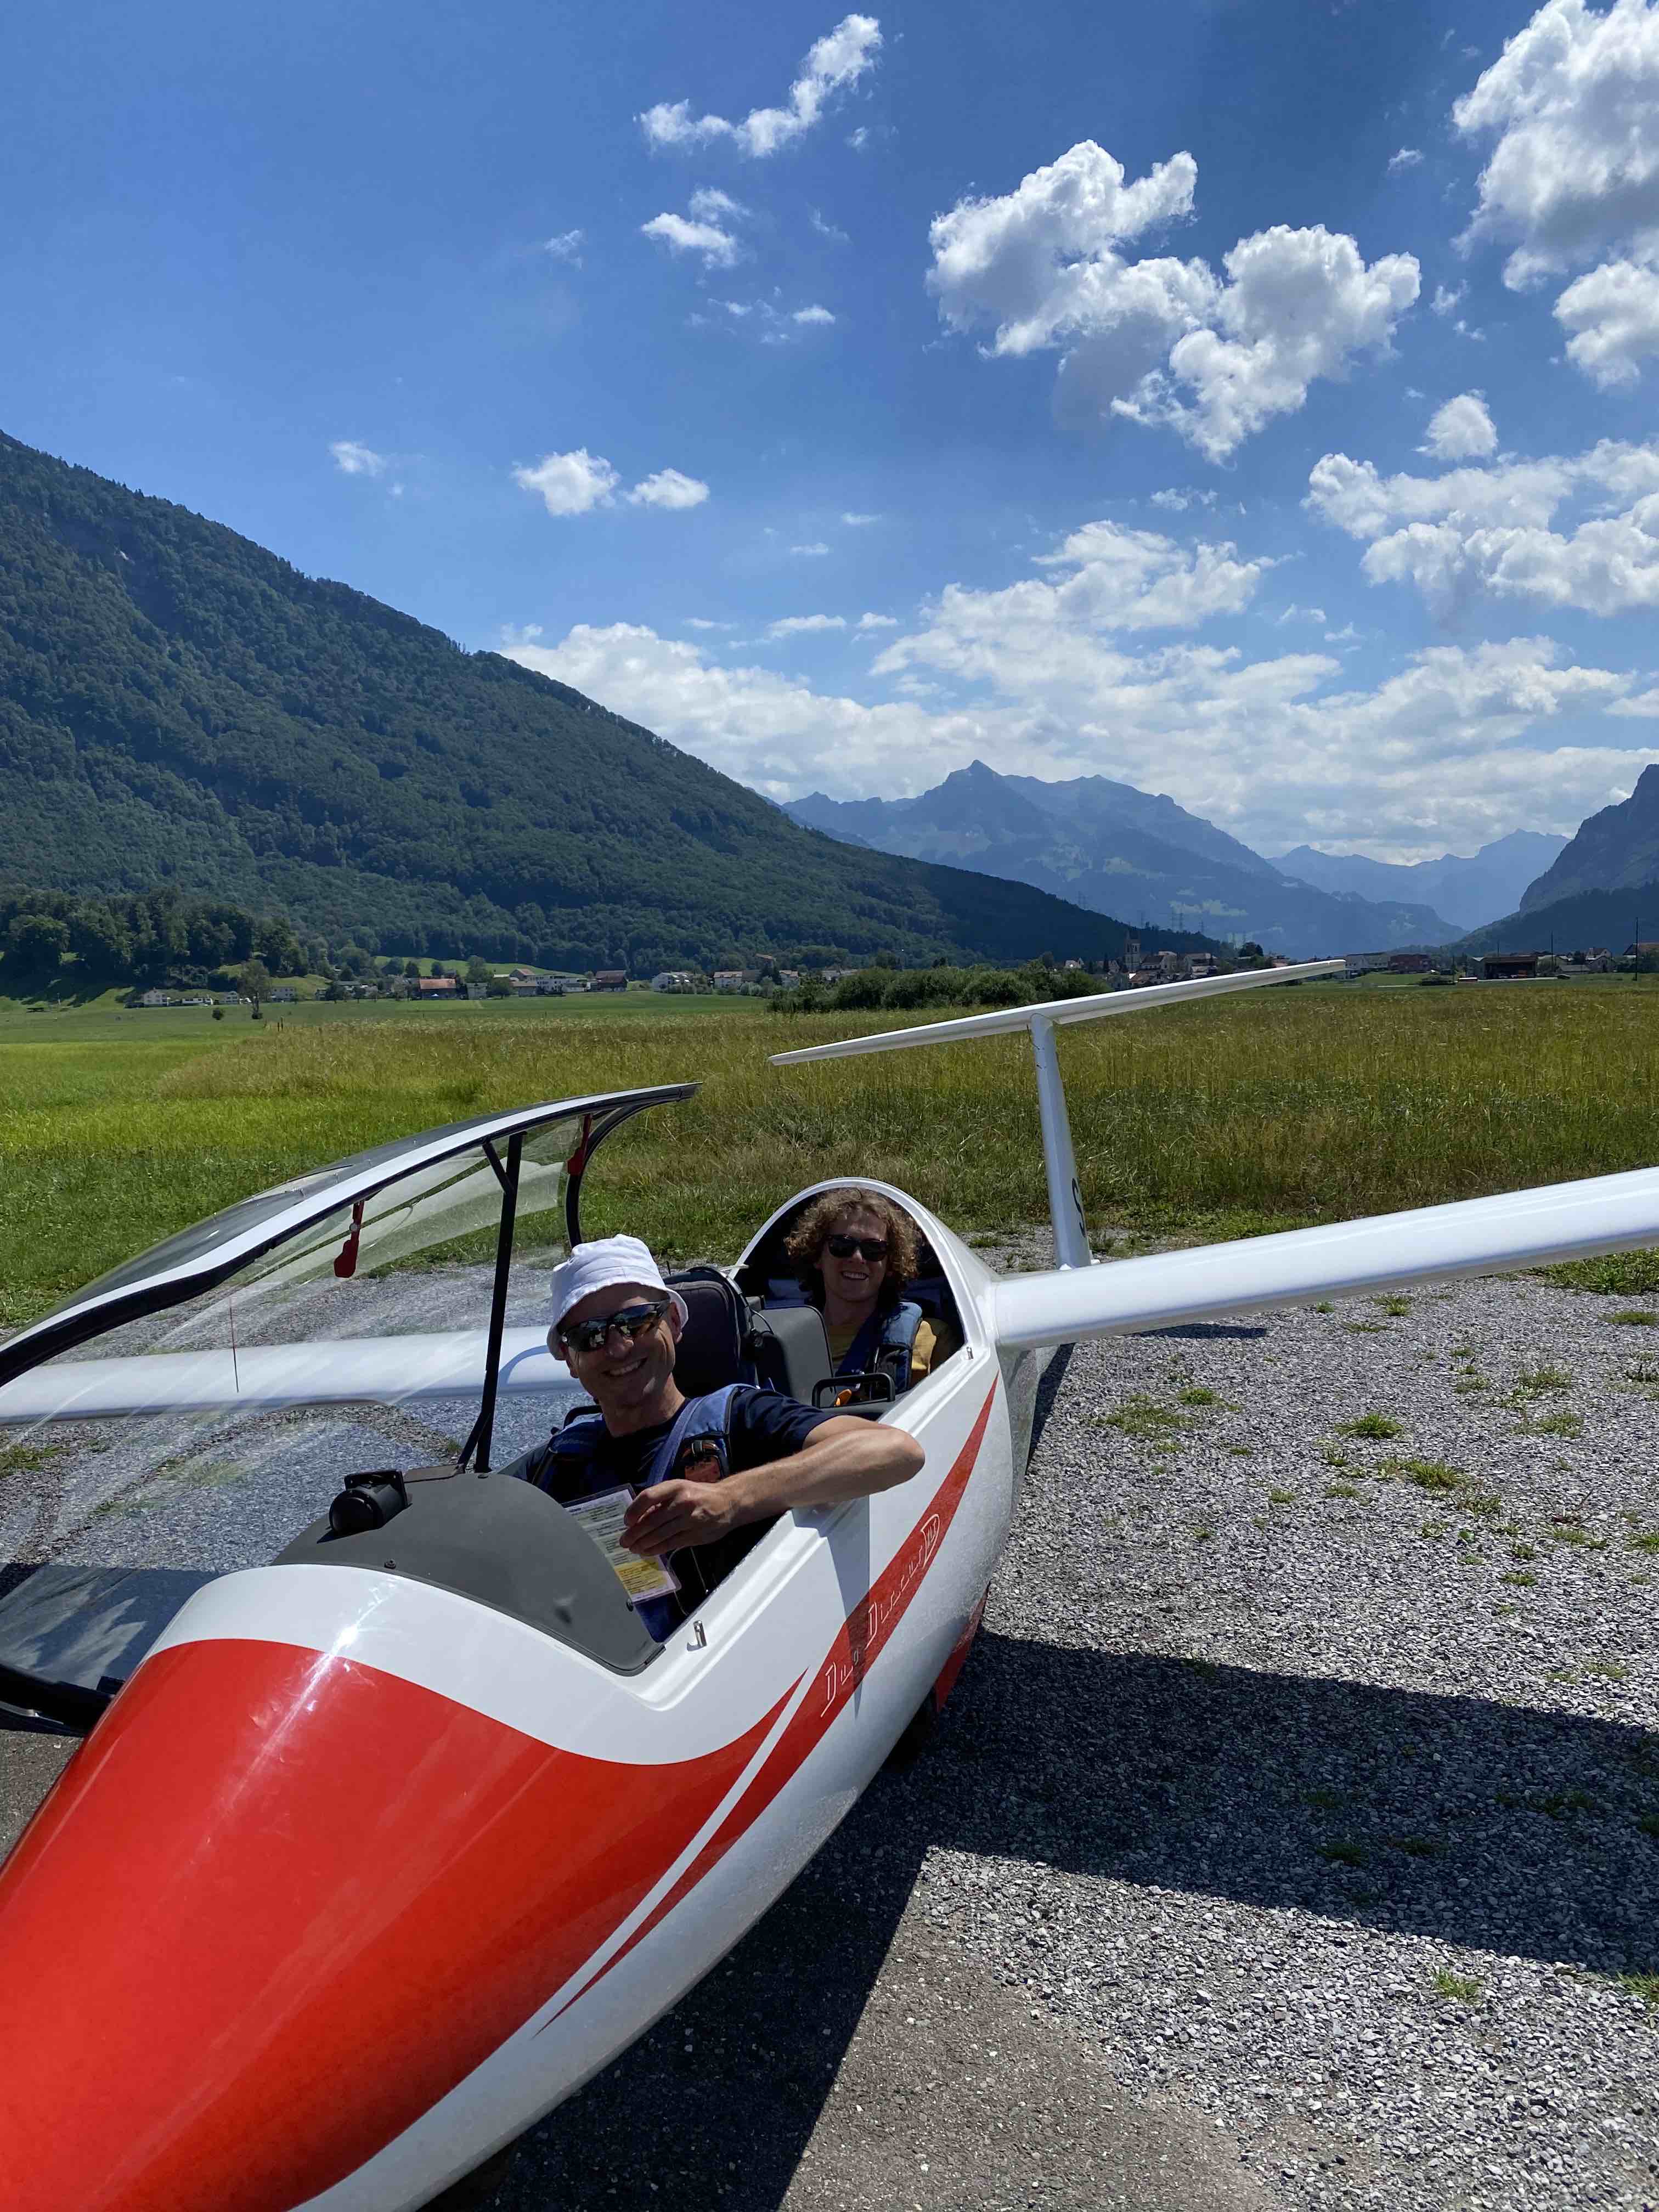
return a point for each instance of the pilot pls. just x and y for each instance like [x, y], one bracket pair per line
[704, 1469]
[856, 1253]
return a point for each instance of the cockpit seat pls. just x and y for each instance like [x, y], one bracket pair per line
[725, 1341]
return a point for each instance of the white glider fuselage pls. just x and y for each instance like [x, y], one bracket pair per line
[362, 1813]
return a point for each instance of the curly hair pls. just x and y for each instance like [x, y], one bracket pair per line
[806, 1241]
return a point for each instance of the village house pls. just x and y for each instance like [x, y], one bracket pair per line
[437, 987]
[608, 979]
[674, 979]
[1410, 964]
[728, 979]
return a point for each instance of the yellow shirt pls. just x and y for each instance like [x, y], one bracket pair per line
[935, 1341]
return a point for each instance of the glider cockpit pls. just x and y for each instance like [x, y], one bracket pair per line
[190, 1413]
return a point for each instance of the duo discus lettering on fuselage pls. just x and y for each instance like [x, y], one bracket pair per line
[603, 1518]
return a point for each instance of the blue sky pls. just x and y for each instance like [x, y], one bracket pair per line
[1252, 403]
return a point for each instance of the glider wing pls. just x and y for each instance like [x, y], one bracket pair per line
[1518, 1229]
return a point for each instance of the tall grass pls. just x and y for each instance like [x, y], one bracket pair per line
[1281, 1107]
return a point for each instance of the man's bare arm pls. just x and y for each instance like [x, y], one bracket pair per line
[843, 1458]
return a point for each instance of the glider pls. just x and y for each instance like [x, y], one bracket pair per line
[389, 1830]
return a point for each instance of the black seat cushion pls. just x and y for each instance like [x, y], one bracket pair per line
[714, 1347]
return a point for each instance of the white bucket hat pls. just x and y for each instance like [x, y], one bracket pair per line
[605, 1263]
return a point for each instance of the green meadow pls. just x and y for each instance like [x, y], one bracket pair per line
[1225, 1118]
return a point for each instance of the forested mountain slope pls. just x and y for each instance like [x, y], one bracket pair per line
[178, 706]
[1615, 850]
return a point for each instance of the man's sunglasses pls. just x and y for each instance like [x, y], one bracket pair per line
[629, 1322]
[867, 1248]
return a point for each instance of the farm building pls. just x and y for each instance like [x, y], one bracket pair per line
[1508, 967]
[610, 979]
[437, 987]
[1410, 964]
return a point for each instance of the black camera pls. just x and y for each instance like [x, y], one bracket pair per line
[367, 1501]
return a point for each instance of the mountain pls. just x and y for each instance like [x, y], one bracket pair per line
[1615, 850]
[1466, 890]
[180, 706]
[1575, 923]
[1120, 851]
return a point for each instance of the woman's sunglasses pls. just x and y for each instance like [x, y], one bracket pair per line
[629, 1322]
[867, 1248]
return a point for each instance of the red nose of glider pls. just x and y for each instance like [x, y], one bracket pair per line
[266, 1865]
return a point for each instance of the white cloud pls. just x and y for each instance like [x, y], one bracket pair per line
[1448, 298]
[686, 234]
[1574, 99]
[825, 229]
[576, 482]
[1462, 430]
[1119, 580]
[1177, 501]
[521, 633]
[1613, 314]
[878, 621]
[668, 487]
[1408, 157]
[566, 247]
[1487, 530]
[812, 552]
[803, 625]
[700, 622]
[812, 315]
[1160, 340]
[355, 460]
[860, 521]
[569, 483]
[1453, 750]
[832, 63]
[1294, 613]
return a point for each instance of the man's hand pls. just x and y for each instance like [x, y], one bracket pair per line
[671, 1514]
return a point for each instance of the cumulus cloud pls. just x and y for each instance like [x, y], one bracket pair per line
[1475, 531]
[878, 621]
[1408, 157]
[812, 552]
[1160, 340]
[833, 64]
[708, 229]
[566, 247]
[569, 483]
[1613, 316]
[1574, 102]
[812, 315]
[353, 460]
[1176, 502]
[1448, 298]
[577, 482]
[1115, 581]
[668, 487]
[803, 625]
[1462, 430]
[1270, 748]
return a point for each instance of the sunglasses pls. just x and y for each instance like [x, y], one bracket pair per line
[867, 1248]
[629, 1322]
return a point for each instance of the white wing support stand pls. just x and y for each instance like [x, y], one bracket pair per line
[1065, 1197]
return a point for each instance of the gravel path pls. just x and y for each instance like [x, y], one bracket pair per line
[1292, 1836]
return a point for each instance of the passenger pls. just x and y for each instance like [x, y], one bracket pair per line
[755, 1453]
[855, 1253]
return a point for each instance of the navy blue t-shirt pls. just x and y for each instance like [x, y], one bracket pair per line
[764, 1426]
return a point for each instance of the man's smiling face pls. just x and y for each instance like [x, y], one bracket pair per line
[627, 1380]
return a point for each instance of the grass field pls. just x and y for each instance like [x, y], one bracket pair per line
[1265, 1111]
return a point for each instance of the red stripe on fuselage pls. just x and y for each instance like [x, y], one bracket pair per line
[278, 1904]
[866, 1628]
